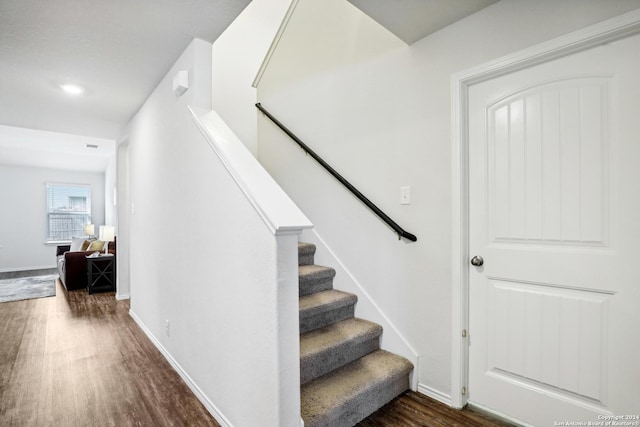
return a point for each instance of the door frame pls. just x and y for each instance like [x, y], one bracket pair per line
[604, 32]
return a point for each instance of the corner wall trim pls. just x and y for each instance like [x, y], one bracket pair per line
[213, 410]
[274, 43]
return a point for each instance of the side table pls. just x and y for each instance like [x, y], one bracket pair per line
[101, 273]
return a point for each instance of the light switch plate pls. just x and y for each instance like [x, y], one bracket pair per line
[405, 195]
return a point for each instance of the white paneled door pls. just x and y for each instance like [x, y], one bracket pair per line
[554, 171]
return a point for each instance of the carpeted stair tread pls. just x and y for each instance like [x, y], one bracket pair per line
[349, 394]
[325, 301]
[333, 346]
[306, 252]
[324, 308]
[315, 278]
[344, 375]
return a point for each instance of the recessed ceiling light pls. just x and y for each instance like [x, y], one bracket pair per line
[72, 89]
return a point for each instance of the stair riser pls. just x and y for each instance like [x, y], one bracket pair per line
[311, 285]
[344, 375]
[317, 365]
[351, 412]
[306, 253]
[320, 320]
[305, 259]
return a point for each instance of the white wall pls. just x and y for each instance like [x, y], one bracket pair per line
[123, 209]
[110, 195]
[237, 56]
[202, 259]
[23, 226]
[380, 112]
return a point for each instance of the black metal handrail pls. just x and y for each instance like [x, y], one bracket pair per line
[401, 232]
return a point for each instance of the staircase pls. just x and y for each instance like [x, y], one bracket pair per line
[344, 375]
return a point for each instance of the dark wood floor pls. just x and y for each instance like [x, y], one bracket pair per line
[80, 360]
[413, 409]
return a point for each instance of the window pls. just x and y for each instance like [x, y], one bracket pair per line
[68, 210]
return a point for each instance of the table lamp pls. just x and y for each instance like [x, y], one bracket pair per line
[107, 234]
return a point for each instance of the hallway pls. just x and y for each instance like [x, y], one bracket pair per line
[80, 360]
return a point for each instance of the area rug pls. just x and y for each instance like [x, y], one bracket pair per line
[27, 287]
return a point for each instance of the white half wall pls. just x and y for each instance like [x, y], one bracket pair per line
[23, 221]
[379, 112]
[211, 284]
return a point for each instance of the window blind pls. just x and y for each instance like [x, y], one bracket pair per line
[68, 210]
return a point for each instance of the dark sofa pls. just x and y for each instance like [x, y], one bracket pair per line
[72, 266]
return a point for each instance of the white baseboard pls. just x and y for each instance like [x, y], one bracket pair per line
[435, 394]
[45, 267]
[213, 410]
[122, 297]
[446, 399]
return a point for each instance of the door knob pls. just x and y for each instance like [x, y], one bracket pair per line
[477, 261]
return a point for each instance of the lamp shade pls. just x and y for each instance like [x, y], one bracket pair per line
[107, 233]
[89, 229]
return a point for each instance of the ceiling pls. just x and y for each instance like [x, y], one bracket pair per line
[118, 50]
[35, 148]
[412, 20]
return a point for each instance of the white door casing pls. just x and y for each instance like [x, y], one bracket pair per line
[551, 208]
